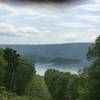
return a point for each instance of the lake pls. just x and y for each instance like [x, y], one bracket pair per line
[73, 68]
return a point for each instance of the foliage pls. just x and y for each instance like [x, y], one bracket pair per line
[57, 83]
[2, 69]
[38, 89]
[18, 80]
[94, 52]
[12, 59]
[91, 91]
[7, 95]
[18, 71]
[22, 76]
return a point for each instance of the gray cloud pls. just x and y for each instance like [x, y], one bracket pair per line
[7, 29]
[67, 1]
[61, 3]
[47, 24]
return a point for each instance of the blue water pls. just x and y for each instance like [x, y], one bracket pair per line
[73, 68]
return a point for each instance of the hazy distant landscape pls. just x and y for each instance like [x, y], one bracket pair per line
[64, 57]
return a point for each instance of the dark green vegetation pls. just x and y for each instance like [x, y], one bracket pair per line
[18, 80]
[63, 86]
[84, 86]
[37, 89]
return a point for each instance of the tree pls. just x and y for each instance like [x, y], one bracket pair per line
[94, 71]
[2, 67]
[18, 71]
[22, 76]
[94, 52]
[91, 90]
[73, 87]
[12, 58]
[57, 83]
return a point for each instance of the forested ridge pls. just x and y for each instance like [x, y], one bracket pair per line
[18, 79]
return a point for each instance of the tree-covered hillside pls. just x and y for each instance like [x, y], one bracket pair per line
[18, 80]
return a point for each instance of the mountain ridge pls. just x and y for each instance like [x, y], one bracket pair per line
[49, 52]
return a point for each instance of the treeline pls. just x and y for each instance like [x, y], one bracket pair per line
[18, 80]
[63, 86]
[83, 86]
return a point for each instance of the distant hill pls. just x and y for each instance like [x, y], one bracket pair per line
[56, 53]
[65, 61]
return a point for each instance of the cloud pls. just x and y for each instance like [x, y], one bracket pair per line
[68, 24]
[11, 30]
[97, 1]
[73, 25]
[89, 35]
[51, 2]
[30, 35]
[48, 24]
[6, 28]
[91, 18]
[91, 7]
[83, 36]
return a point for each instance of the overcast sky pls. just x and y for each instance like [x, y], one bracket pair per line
[48, 24]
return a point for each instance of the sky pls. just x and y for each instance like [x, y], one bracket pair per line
[49, 24]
